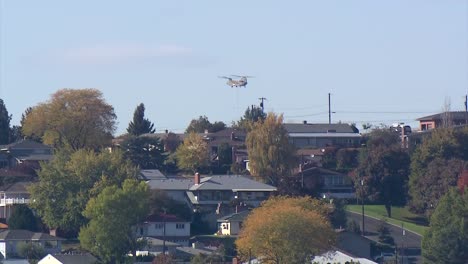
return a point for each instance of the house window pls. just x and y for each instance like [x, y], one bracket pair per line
[158, 226]
[180, 226]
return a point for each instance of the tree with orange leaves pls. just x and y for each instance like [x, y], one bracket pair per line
[286, 230]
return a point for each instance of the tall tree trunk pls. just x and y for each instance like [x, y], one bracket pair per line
[388, 207]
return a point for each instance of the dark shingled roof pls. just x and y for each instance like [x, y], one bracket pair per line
[319, 128]
[20, 234]
[236, 217]
[459, 115]
[17, 187]
[25, 144]
[157, 218]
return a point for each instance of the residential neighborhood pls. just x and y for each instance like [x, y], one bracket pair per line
[195, 132]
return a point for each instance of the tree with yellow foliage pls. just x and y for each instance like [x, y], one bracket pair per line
[75, 118]
[286, 230]
[193, 155]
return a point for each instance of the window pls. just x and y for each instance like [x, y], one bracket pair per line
[158, 226]
[180, 226]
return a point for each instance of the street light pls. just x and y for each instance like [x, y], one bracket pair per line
[362, 202]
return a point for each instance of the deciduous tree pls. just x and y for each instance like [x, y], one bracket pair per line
[384, 169]
[286, 230]
[145, 152]
[271, 156]
[113, 216]
[202, 123]
[76, 118]
[193, 155]
[435, 164]
[140, 124]
[67, 182]
[446, 240]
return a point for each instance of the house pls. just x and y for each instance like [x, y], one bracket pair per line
[11, 195]
[155, 246]
[10, 240]
[231, 225]
[25, 152]
[305, 135]
[445, 119]
[212, 190]
[332, 184]
[166, 227]
[231, 137]
[153, 174]
[69, 258]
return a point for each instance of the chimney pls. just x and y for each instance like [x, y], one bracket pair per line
[304, 122]
[197, 178]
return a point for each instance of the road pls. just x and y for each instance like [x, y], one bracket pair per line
[411, 242]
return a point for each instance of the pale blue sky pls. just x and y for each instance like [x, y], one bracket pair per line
[383, 61]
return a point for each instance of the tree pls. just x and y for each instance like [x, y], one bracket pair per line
[33, 252]
[251, 115]
[193, 155]
[383, 169]
[113, 216]
[160, 202]
[22, 218]
[202, 124]
[76, 118]
[67, 182]
[446, 240]
[286, 230]
[271, 156]
[5, 119]
[435, 164]
[140, 124]
[145, 152]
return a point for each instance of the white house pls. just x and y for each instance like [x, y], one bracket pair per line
[165, 227]
[12, 194]
[11, 239]
[231, 225]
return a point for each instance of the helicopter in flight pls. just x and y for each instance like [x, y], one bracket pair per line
[242, 82]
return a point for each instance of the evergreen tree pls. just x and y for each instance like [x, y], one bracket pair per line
[22, 218]
[140, 124]
[4, 124]
[446, 240]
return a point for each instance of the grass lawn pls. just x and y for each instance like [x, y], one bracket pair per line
[412, 222]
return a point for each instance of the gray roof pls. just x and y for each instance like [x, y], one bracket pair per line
[231, 182]
[152, 175]
[74, 258]
[159, 242]
[236, 217]
[20, 234]
[319, 128]
[35, 157]
[216, 182]
[17, 187]
[194, 251]
[24, 144]
[453, 115]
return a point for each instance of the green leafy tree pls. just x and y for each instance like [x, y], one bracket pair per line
[160, 202]
[202, 123]
[251, 115]
[22, 218]
[33, 252]
[193, 155]
[435, 165]
[4, 124]
[383, 169]
[113, 216]
[271, 156]
[446, 240]
[67, 182]
[75, 118]
[145, 152]
[140, 125]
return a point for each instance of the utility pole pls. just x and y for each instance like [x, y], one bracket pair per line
[261, 103]
[362, 201]
[329, 108]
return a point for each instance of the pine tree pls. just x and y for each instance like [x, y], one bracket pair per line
[4, 124]
[140, 124]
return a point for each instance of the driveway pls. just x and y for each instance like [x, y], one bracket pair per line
[410, 242]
